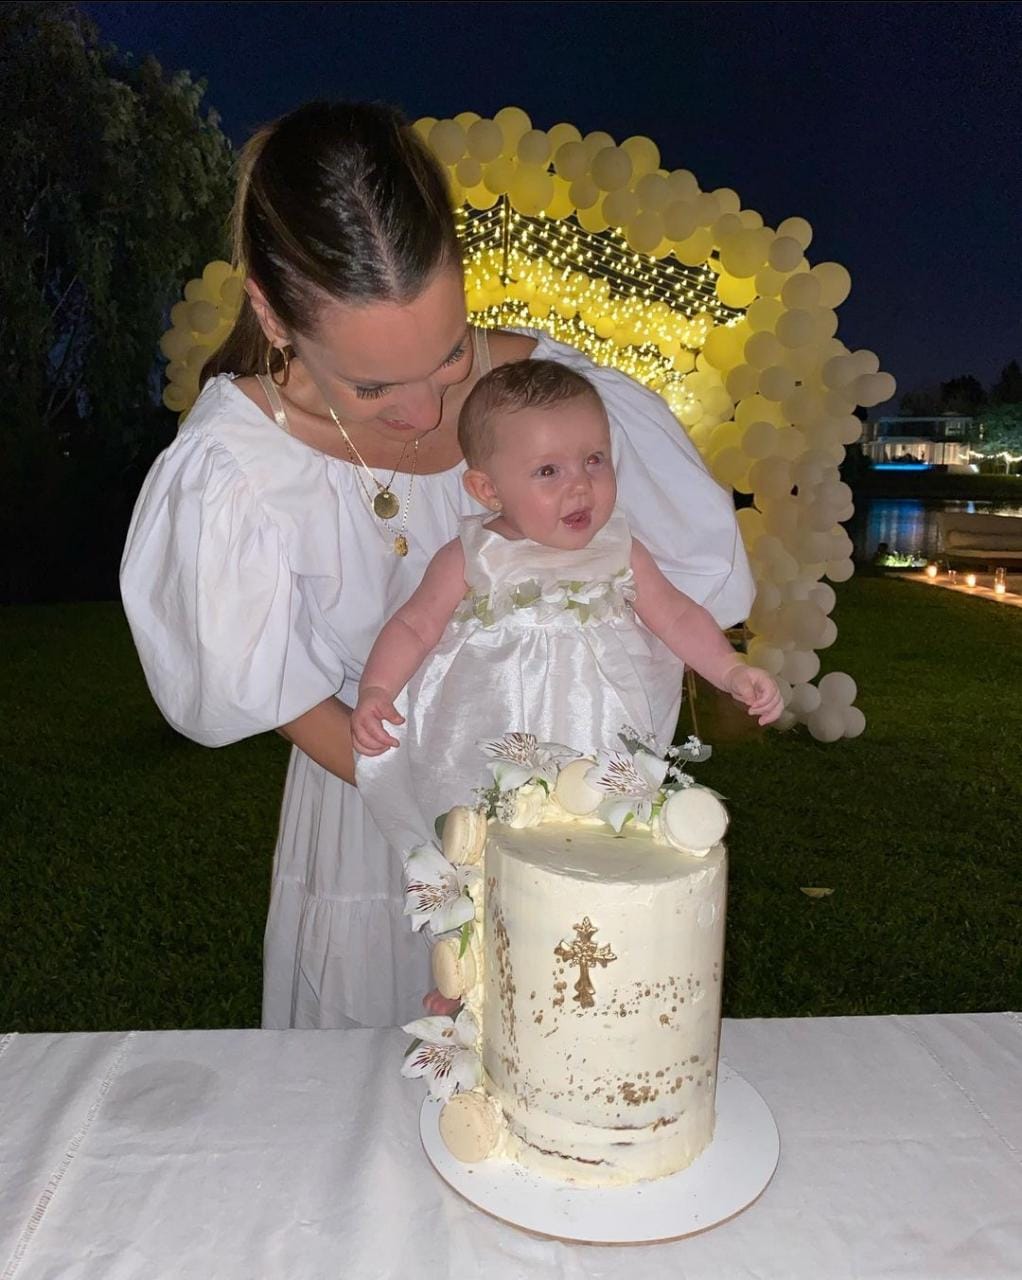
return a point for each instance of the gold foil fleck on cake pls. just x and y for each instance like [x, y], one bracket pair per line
[585, 955]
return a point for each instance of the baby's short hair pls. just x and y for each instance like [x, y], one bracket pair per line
[523, 384]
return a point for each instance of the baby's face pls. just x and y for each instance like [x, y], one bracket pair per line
[553, 473]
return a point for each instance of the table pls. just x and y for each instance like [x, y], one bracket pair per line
[260, 1155]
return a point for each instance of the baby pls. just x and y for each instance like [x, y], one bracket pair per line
[544, 615]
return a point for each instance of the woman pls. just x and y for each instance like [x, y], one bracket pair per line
[304, 496]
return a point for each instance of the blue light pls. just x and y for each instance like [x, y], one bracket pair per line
[902, 466]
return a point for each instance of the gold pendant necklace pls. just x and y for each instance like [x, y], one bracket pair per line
[385, 502]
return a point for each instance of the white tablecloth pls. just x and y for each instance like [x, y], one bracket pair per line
[260, 1155]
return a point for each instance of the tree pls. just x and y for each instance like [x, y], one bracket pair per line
[1008, 387]
[116, 188]
[921, 403]
[964, 394]
[1000, 431]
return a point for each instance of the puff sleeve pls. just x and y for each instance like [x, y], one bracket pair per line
[231, 640]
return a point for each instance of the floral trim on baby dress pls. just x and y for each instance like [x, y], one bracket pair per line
[586, 601]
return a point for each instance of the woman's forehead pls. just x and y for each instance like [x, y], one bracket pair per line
[394, 342]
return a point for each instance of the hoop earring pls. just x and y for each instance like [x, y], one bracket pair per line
[285, 355]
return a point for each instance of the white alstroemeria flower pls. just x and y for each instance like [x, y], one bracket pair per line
[556, 594]
[631, 783]
[435, 890]
[518, 758]
[447, 1056]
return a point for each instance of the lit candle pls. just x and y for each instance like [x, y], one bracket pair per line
[952, 577]
[999, 588]
[931, 571]
[970, 579]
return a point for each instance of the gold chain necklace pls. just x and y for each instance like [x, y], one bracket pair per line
[385, 504]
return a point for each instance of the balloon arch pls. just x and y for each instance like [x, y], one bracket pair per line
[692, 295]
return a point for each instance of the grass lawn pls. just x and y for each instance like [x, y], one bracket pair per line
[136, 864]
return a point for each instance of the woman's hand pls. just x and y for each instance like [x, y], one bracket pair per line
[758, 690]
[369, 736]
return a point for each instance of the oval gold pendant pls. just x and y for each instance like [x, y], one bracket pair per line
[386, 505]
[400, 545]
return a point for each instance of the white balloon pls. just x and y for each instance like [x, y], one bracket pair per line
[805, 698]
[828, 635]
[855, 722]
[800, 666]
[838, 689]
[784, 688]
[826, 724]
[840, 570]
[785, 721]
[823, 596]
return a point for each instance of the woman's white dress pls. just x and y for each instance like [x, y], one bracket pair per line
[255, 579]
[545, 642]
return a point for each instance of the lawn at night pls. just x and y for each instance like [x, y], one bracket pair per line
[137, 864]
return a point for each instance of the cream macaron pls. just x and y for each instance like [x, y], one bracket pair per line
[469, 1126]
[573, 793]
[464, 834]
[693, 820]
[453, 974]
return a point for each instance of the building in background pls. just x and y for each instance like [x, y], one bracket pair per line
[941, 442]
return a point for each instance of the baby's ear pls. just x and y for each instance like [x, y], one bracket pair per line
[479, 486]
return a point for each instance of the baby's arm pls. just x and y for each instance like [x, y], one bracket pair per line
[402, 647]
[690, 632]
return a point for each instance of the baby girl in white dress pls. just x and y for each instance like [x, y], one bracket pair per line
[543, 616]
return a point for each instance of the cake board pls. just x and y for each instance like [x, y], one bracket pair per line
[730, 1175]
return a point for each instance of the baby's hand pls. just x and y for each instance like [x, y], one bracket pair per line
[758, 690]
[367, 732]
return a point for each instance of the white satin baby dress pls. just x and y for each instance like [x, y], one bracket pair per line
[545, 642]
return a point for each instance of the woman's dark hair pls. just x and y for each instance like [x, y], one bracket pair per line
[335, 200]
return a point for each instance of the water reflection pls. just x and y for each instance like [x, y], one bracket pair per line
[908, 524]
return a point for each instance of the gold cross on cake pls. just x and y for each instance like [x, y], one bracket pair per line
[584, 953]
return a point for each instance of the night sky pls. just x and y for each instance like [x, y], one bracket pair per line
[894, 128]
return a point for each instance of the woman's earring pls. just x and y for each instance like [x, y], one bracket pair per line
[496, 505]
[285, 368]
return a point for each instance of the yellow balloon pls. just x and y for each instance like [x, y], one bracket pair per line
[485, 141]
[763, 315]
[203, 317]
[534, 147]
[643, 153]
[680, 219]
[231, 293]
[215, 273]
[835, 283]
[571, 160]
[596, 141]
[469, 172]
[531, 191]
[591, 219]
[619, 207]
[481, 197]
[513, 123]
[733, 292]
[584, 194]
[652, 192]
[447, 141]
[196, 291]
[176, 343]
[611, 169]
[466, 119]
[798, 229]
[644, 232]
[561, 205]
[423, 125]
[498, 176]
[695, 249]
[562, 133]
[177, 398]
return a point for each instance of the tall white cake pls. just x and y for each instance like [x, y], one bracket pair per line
[579, 913]
[601, 998]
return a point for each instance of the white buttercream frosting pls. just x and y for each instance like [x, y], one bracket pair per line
[605, 1077]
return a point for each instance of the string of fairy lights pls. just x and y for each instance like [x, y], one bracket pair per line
[644, 316]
